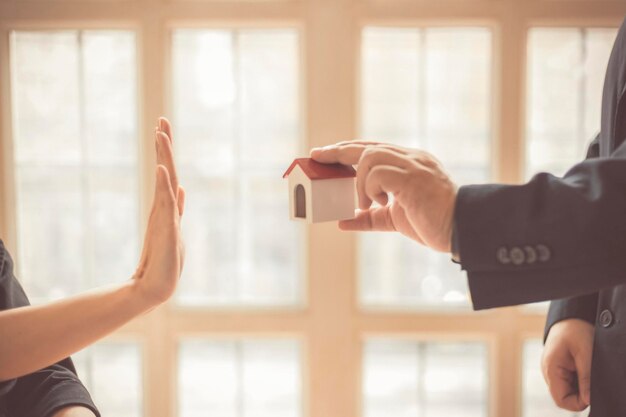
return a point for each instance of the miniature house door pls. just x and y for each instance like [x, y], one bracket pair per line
[300, 202]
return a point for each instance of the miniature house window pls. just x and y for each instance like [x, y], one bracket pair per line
[300, 199]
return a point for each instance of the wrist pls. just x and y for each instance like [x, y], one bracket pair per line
[567, 326]
[572, 322]
[450, 229]
[454, 245]
[140, 296]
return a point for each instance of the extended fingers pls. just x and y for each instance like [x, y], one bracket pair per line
[164, 193]
[166, 127]
[348, 152]
[165, 157]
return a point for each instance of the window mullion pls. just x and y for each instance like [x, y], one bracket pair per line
[159, 349]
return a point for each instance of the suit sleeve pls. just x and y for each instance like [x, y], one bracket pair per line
[44, 392]
[583, 307]
[550, 238]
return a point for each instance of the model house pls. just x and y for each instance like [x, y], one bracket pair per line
[320, 192]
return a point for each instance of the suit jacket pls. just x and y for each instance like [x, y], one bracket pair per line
[44, 392]
[562, 238]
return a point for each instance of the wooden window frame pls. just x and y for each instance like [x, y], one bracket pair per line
[331, 325]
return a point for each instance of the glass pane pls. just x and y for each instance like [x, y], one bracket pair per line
[566, 69]
[536, 397]
[237, 107]
[427, 88]
[111, 371]
[260, 378]
[75, 141]
[404, 378]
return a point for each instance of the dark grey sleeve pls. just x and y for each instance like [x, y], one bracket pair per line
[550, 238]
[48, 390]
[583, 307]
[11, 295]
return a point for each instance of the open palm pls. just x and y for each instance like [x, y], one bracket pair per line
[162, 257]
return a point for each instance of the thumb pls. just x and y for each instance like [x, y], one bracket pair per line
[373, 219]
[583, 370]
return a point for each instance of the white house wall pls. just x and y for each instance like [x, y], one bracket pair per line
[333, 199]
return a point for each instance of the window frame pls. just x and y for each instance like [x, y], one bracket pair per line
[492, 143]
[302, 302]
[331, 325]
[11, 218]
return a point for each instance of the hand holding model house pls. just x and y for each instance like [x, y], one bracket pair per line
[320, 192]
[422, 208]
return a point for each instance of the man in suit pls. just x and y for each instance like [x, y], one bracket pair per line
[551, 238]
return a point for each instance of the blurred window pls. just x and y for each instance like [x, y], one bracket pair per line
[426, 379]
[237, 106]
[239, 378]
[112, 373]
[427, 88]
[566, 68]
[75, 156]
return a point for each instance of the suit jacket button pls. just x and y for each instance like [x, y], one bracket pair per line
[517, 256]
[606, 318]
[503, 256]
[543, 253]
[531, 254]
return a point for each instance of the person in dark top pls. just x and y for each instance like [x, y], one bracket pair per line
[37, 378]
[47, 391]
[551, 238]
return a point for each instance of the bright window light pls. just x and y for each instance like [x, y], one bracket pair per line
[237, 114]
[424, 88]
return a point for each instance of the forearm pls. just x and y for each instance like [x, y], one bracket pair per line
[550, 238]
[34, 337]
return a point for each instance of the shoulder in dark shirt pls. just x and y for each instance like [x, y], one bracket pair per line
[48, 390]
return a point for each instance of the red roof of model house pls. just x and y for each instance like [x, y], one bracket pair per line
[318, 171]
